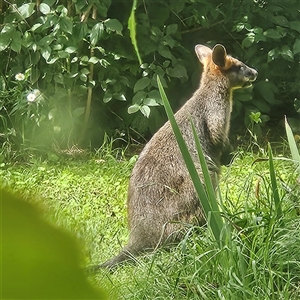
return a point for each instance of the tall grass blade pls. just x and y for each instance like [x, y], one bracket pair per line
[132, 30]
[215, 221]
[208, 183]
[292, 143]
[274, 186]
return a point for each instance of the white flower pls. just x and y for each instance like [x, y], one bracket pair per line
[20, 77]
[34, 95]
[31, 97]
[36, 92]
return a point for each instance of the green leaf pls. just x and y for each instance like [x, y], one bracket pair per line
[133, 108]
[248, 41]
[172, 29]
[292, 143]
[239, 27]
[107, 96]
[145, 110]
[102, 7]
[78, 112]
[287, 53]
[296, 48]
[52, 113]
[85, 71]
[138, 97]
[5, 39]
[71, 49]
[267, 90]
[46, 52]
[83, 77]
[164, 52]
[66, 24]
[35, 74]
[26, 10]
[120, 97]
[96, 33]
[141, 84]
[273, 54]
[93, 60]
[44, 8]
[114, 25]
[272, 34]
[295, 25]
[16, 43]
[132, 30]
[150, 102]
[8, 28]
[36, 26]
[178, 71]
[280, 20]
[80, 31]
[47, 40]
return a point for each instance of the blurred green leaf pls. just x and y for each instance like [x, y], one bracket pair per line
[114, 25]
[66, 24]
[96, 33]
[5, 39]
[295, 25]
[145, 110]
[296, 48]
[77, 112]
[26, 10]
[141, 84]
[44, 8]
[272, 34]
[287, 53]
[133, 108]
[172, 29]
[249, 40]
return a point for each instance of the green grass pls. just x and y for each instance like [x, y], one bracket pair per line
[261, 260]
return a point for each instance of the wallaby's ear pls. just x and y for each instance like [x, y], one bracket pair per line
[202, 52]
[219, 55]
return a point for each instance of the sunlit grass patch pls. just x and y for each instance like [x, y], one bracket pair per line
[87, 197]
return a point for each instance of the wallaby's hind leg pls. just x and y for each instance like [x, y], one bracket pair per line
[125, 255]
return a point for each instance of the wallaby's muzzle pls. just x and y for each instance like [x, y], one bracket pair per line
[251, 76]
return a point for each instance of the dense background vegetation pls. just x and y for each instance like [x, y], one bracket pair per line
[69, 73]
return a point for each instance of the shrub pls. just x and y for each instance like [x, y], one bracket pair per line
[80, 56]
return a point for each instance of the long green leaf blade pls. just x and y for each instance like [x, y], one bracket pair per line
[274, 186]
[292, 143]
[218, 222]
[132, 30]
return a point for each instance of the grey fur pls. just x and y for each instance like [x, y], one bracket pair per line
[161, 195]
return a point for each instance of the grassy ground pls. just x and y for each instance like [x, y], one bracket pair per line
[261, 259]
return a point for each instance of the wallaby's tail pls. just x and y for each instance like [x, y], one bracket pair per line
[124, 255]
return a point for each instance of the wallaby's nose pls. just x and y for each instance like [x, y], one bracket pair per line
[253, 75]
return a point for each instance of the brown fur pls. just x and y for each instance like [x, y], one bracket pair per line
[161, 195]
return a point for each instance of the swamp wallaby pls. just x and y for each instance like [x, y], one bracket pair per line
[161, 195]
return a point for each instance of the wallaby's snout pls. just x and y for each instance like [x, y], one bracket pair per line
[250, 74]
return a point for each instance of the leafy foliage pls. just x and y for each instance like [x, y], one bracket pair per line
[79, 55]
